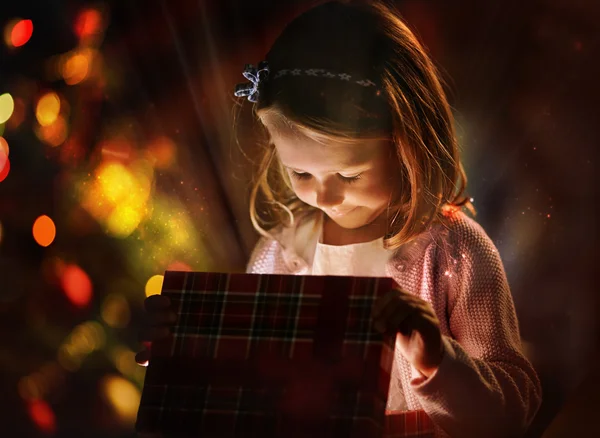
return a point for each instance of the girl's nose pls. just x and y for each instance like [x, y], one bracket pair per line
[328, 197]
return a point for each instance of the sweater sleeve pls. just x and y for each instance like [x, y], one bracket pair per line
[267, 258]
[484, 385]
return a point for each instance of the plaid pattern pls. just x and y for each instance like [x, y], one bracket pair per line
[269, 356]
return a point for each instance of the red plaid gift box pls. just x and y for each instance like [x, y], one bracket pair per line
[269, 356]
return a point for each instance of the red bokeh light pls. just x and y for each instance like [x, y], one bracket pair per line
[88, 23]
[42, 415]
[5, 170]
[77, 285]
[21, 33]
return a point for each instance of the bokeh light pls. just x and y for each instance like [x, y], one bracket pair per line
[42, 415]
[44, 230]
[163, 152]
[123, 396]
[88, 23]
[48, 109]
[115, 311]
[7, 106]
[124, 360]
[76, 66]
[76, 285]
[83, 340]
[21, 33]
[18, 115]
[154, 285]
[4, 151]
[5, 170]
[54, 134]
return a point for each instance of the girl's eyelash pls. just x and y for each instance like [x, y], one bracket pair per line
[346, 179]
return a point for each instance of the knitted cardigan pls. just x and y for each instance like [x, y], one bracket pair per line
[484, 386]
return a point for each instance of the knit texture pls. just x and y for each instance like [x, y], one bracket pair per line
[484, 387]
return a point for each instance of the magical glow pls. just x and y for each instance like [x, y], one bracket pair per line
[48, 109]
[118, 196]
[76, 66]
[44, 230]
[123, 395]
[115, 311]
[77, 285]
[88, 23]
[7, 106]
[179, 266]
[154, 285]
[21, 33]
[42, 415]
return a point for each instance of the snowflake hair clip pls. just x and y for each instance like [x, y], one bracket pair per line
[254, 75]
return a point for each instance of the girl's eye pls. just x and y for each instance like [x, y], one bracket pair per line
[301, 176]
[350, 179]
[345, 179]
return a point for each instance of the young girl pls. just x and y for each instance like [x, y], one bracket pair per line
[362, 177]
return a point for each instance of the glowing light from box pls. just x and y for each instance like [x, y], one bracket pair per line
[44, 230]
[76, 285]
[154, 285]
[115, 311]
[179, 266]
[123, 396]
[42, 415]
[7, 106]
[47, 109]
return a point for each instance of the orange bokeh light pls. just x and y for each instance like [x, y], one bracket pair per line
[88, 23]
[77, 285]
[21, 33]
[5, 170]
[44, 230]
[76, 67]
[42, 415]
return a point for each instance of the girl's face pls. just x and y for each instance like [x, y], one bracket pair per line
[352, 184]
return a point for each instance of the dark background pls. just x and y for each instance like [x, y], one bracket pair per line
[157, 102]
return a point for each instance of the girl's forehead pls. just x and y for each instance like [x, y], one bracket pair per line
[301, 152]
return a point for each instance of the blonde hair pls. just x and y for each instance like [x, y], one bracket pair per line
[410, 108]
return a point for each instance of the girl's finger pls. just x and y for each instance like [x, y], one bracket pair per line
[396, 319]
[143, 357]
[153, 334]
[156, 302]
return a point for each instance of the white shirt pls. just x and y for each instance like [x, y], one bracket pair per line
[367, 259]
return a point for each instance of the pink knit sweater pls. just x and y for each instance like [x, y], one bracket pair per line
[484, 386]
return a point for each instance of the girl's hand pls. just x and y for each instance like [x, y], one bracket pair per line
[418, 329]
[159, 318]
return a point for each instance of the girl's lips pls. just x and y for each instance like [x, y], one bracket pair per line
[339, 213]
